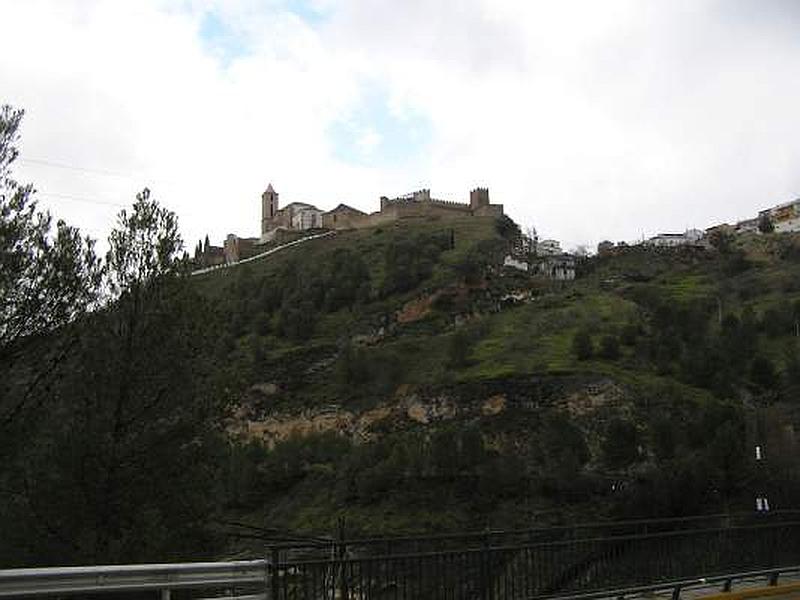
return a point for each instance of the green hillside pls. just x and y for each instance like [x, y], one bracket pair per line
[397, 378]
[387, 380]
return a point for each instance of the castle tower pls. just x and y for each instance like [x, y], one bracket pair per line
[269, 209]
[478, 198]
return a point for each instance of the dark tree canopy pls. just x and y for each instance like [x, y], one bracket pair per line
[47, 277]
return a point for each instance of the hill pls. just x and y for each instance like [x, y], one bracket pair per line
[388, 376]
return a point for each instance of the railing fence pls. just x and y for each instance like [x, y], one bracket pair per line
[588, 561]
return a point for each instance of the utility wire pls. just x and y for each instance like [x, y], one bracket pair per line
[107, 173]
[80, 199]
[48, 163]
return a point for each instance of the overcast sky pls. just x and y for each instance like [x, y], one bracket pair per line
[589, 119]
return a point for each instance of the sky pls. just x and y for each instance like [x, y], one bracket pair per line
[588, 120]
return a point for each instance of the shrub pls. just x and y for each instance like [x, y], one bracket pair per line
[630, 332]
[458, 348]
[609, 347]
[582, 345]
[620, 446]
[762, 373]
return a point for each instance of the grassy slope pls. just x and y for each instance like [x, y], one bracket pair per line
[532, 338]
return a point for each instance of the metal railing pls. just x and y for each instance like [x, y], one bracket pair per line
[137, 578]
[410, 544]
[722, 583]
[246, 576]
[587, 561]
[534, 570]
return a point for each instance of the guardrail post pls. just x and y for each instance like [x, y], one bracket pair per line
[275, 585]
[773, 578]
[486, 579]
[676, 592]
[727, 586]
[341, 553]
[165, 594]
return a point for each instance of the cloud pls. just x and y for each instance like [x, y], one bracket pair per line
[592, 120]
[378, 130]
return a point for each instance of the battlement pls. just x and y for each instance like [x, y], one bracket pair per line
[449, 203]
[479, 197]
[424, 196]
[414, 205]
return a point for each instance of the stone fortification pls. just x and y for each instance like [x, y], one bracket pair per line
[300, 216]
[416, 205]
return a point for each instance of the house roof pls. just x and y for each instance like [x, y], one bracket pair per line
[346, 208]
[300, 206]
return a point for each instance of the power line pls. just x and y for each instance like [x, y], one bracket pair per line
[107, 173]
[80, 199]
[48, 163]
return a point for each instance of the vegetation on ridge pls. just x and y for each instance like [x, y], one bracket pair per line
[428, 388]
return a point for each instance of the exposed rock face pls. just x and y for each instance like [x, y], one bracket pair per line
[266, 389]
[426, 411]
[494, 405]
[416, 309]
[588, 400]
[592, 398]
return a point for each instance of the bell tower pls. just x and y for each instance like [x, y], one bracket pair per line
[269, 209]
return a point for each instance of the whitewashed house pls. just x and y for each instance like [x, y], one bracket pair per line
[673, 240]
[304, 216]
[515, 263]
[784, 217]
[548, 248]
[746, 226]
[560, 267]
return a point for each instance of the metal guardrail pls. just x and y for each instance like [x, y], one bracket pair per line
[722, 583]
[563, 568]
[588, 562]
[20, 583]
[407, 544]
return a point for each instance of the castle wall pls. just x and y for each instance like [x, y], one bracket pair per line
[236, 248]
[343, 219]
[490, 210]
[376, 219]
[395, 210]
[418, 205]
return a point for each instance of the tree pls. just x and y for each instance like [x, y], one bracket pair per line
[48, 279]
[458, 349]
[765, 224]
[144, 249]
[582, 345]
[621, 444]
[532, 237]
[722, 240]
[791, 365]
[119, 468]
[507, 228]
[563, 452]
[762, 372]
[609, 347]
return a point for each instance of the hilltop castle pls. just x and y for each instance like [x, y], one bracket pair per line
[301, 216]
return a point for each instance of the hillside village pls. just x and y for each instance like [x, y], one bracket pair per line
[545, 257]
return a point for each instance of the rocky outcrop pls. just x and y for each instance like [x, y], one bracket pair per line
[587, 399]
